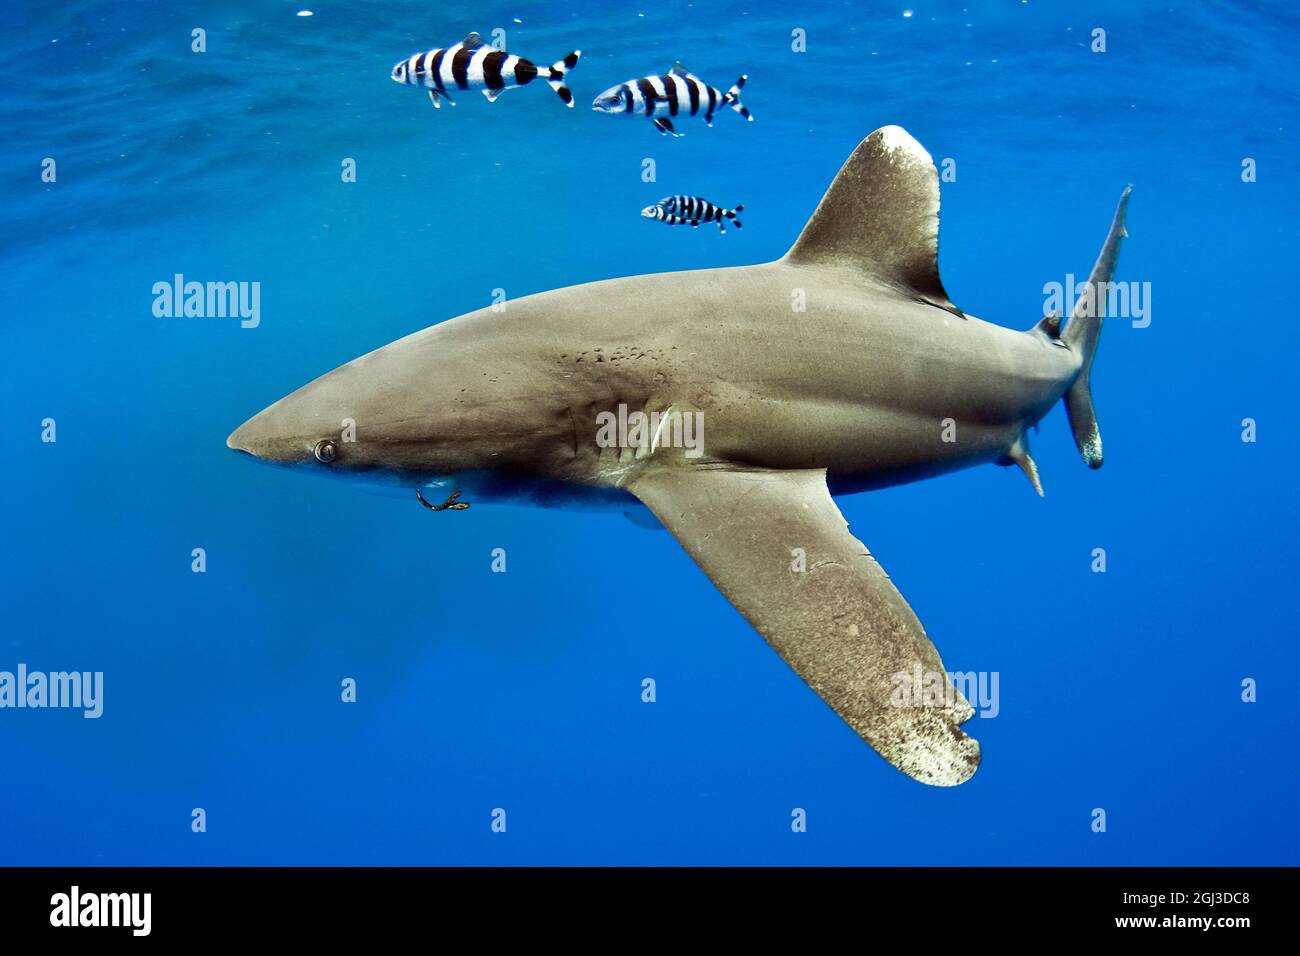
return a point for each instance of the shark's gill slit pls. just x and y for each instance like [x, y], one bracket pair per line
[450, 503]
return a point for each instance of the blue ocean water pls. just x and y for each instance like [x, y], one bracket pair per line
[522, 691]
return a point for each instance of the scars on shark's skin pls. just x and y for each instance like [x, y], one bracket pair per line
[892, 384]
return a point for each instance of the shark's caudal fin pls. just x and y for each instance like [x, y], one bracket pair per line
[881, 215]
[557, 73]
[1083, 332]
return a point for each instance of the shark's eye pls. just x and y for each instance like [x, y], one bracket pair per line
[325, 451]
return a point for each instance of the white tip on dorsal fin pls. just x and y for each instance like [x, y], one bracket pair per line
[471, 42]
[679, 69]
[881, 215]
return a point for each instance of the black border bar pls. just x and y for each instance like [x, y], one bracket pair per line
[367, 903]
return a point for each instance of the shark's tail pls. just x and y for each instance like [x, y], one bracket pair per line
[1083, 332]
[556, 75]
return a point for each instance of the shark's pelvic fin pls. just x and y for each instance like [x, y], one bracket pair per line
[881, 215]
[1019, 455]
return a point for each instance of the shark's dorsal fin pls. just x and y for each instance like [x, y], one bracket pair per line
[471, 42]
[679, 69]
[881, 215]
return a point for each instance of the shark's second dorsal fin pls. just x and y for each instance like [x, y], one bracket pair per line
[1050, 325]
[881, 215]
[471, 42]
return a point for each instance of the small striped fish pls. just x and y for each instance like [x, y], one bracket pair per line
[662, 97]
[691, 210]
[473, 65]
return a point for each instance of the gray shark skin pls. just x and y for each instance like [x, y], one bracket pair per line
[881, 380]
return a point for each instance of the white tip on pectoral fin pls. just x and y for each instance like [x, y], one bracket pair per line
[839, 622]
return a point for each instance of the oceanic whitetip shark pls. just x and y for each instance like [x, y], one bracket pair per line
[881, 380]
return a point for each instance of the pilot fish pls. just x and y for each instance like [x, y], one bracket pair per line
[691, 210]
[471, 64]
[677, 92]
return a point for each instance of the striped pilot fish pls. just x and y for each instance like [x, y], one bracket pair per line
[677, 92]
[691, 210]
[472, 64]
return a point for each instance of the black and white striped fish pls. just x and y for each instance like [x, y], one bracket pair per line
[691, 210]
[677, 93]
[473, 65]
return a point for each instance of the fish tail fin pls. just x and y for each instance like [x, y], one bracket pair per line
[740, 207]
[732, 98]
[556, 77]
[1083, 332]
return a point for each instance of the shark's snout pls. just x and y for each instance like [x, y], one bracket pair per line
[236, 441]
[286, 433]
[258, 437]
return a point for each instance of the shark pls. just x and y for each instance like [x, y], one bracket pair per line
[839, 368]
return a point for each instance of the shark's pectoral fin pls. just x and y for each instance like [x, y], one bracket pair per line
[776, 545]
[642, 518]
[881, 215]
